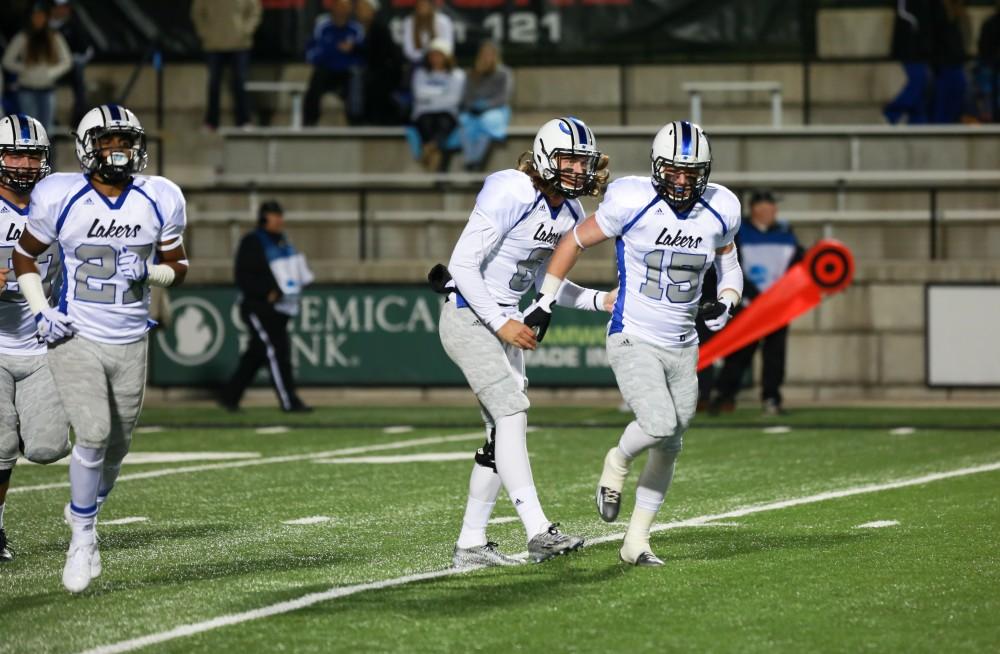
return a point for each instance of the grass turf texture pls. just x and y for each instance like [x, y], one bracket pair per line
[786, 580]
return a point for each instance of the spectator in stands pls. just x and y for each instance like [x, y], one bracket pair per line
[64, 21]
[383, 66]
[226, 29]
[987, 73]
[485, 106]
[39, 56]
[335, 54]
[271, 276]
[424, 26]
[911, 45]
[948, 54]
[437, 94]
[767, 248]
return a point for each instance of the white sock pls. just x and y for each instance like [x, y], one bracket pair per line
[514, 468]
[529, 509]
[484, 486]
[635, 441]
[84, 480]
[649, 495]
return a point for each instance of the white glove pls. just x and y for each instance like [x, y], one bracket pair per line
[53, 326]
[132, 266]
[716, 314]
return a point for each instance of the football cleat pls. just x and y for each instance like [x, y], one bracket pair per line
[645, 559]
[79, 563]
[482, 556]
[609, 502]
[609, 488]
[96, 567]
[552, 542]
[6, 554]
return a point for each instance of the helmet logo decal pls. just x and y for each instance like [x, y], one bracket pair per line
[564, 129]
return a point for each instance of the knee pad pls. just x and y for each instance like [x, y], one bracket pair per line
[486, 455]
[505, 398]
[115, 454]
[671, 444]
[8, 457]
[45, 455]
[658, 424]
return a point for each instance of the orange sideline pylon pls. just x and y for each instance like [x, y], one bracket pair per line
[827, 268]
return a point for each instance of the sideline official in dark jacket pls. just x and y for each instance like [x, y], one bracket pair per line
[270, 275]
[768, 248]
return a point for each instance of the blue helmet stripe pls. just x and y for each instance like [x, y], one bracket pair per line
[115, 113]
[580, 130]
[685, 138]
[25, 125]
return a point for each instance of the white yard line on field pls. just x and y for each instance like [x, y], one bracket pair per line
[344, 591]
[363, 449]
[429, 457]
[124, 521]
[311, 520]
[878, 524]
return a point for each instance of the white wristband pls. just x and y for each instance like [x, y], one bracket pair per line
[551, 285]
[731, 295]
[161, 275]
[30, 285]
[576, 237]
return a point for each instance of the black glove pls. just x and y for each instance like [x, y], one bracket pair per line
[715, 314]
[439, 278]
[538, 315]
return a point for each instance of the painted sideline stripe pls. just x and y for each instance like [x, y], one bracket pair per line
[124, 521]
[429, 457]
[344, 591]
[878, 524]
[151, 474]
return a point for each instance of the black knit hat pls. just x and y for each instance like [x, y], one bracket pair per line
[271, 206]
[762, 195]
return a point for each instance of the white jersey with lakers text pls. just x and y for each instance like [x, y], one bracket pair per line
[662, 257]
[91, 230]
[17, 324]
[528, 230]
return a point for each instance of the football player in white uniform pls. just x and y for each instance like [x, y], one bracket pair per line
[118, 232]
[668, 229]
[29, 411]
[519, 217]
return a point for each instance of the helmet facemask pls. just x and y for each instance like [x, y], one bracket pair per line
[22, 179]
[680, 196]
[121, 161]
[572, 172]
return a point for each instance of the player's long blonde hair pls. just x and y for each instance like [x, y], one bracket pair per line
[526, 164]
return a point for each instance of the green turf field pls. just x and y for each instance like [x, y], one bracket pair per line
[757, 559]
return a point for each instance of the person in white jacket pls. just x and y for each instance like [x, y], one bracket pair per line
[437, 95]
[39, 56]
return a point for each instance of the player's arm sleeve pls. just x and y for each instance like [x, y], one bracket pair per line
[477, 240]
[174, 221]
[578, 297]
[42, 217]
[610, 214]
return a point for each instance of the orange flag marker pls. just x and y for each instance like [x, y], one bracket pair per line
[827, 268]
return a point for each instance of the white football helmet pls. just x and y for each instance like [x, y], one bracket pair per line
[681, 147]
[106, 120]
[21, 134]
[565, 138]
